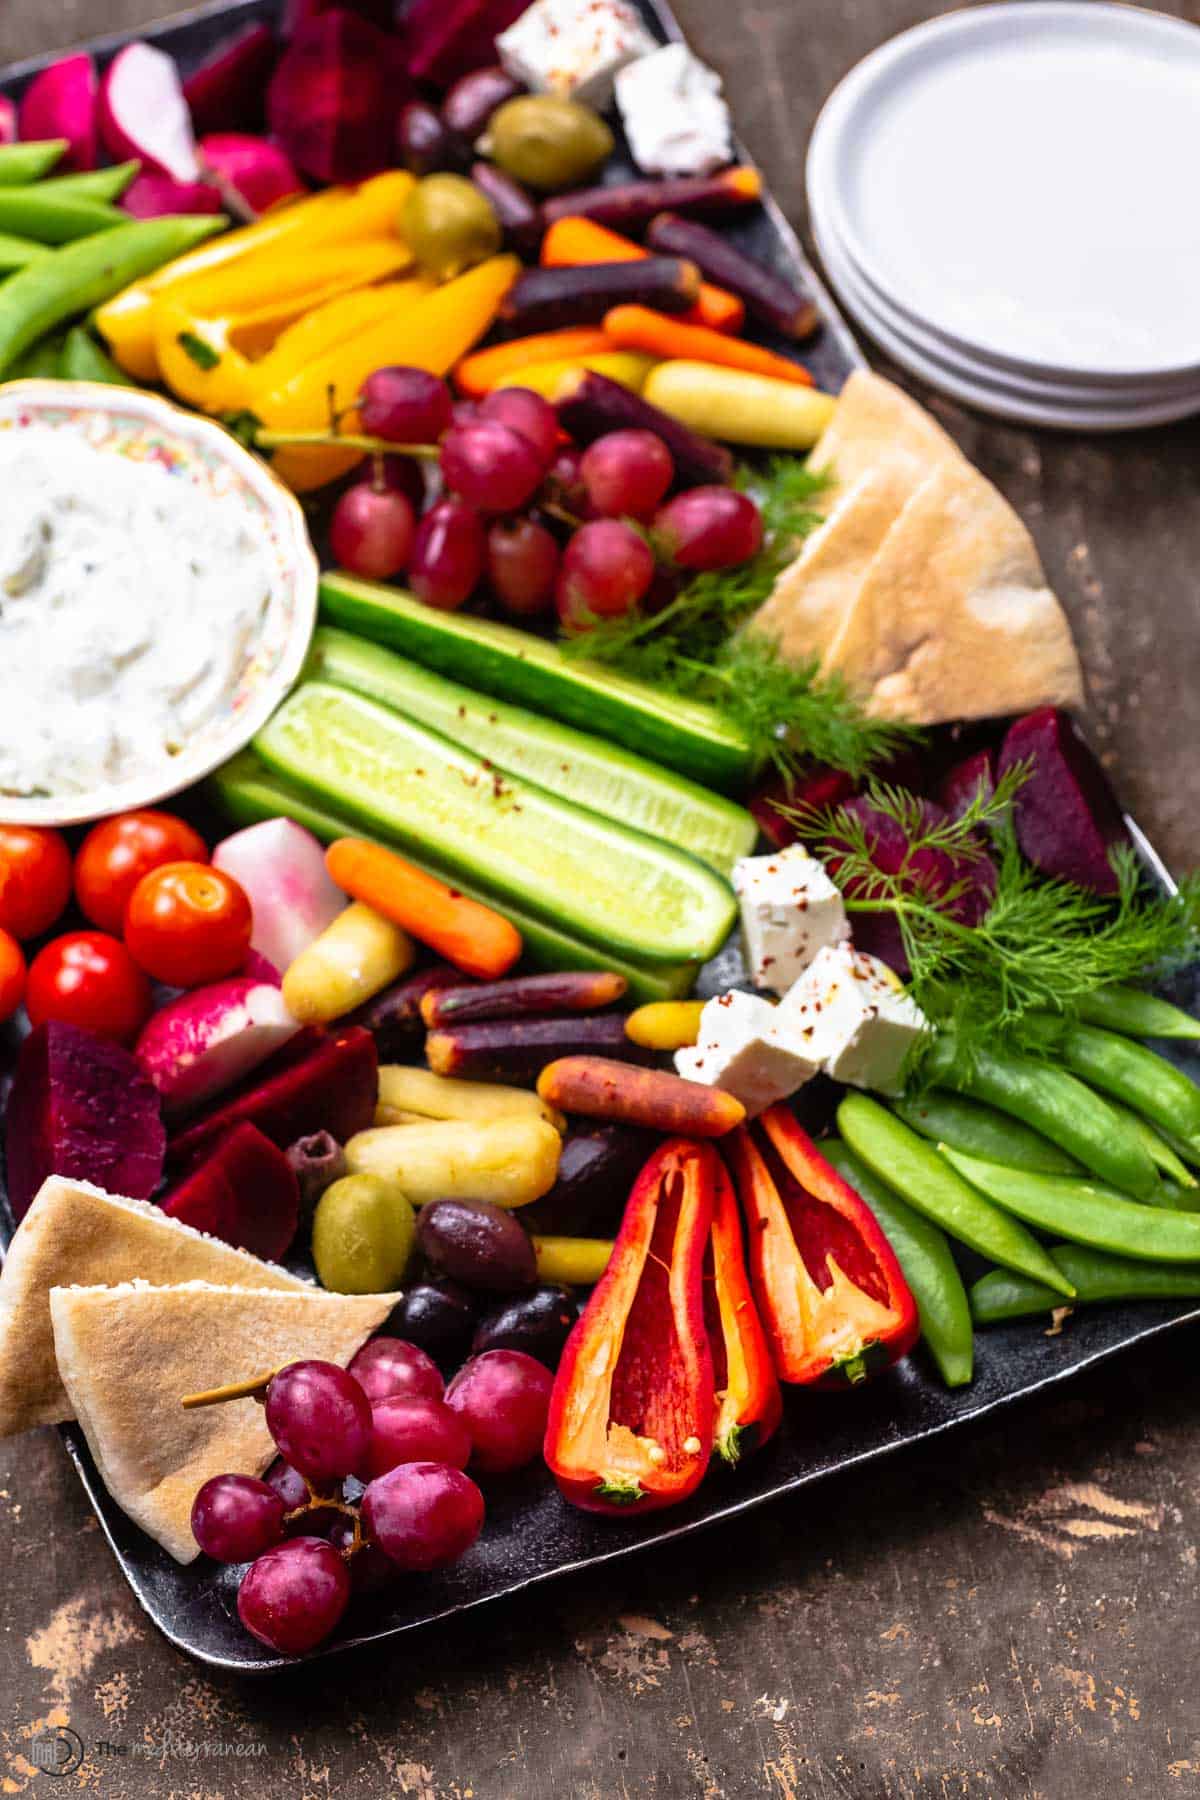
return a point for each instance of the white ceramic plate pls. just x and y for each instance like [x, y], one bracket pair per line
[143, 427]
[1012, 178]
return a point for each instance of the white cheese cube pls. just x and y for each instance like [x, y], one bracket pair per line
[739, 1051]
[790, 911]
[573, 48]
[848, 1012]
[675, 118]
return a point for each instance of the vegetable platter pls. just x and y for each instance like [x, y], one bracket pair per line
[1103, 1179]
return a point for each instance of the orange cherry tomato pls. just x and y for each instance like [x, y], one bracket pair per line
[188, 923]
[88, 978]
[12, 975]
[115, 855]
[35, 878]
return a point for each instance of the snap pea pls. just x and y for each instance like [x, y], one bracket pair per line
[82, 359]
[982, 1131]
[20, 163]
[924, 1255]
[93, 184]
[1096, 1275]
[1086, 1212]
[18, 252]
[1129, 1010]
[1056, 1104]
[921, 1175]
[1159, 1151]
[38, 363]
[55, 218]
[1133, 1075]
[82, 275]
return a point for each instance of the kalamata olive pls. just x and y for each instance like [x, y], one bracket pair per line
[425, 144]
[439, 1317]
[538, 1323]
[473, 99]
[595, 1172]
[478, 1244]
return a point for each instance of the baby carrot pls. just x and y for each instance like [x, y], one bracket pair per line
[641, 328]
[573, 242]
[480, 372]
[471, 936]
[600, 1088]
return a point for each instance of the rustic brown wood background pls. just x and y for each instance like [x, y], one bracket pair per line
[1012, 1614]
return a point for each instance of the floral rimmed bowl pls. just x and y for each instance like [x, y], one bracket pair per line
[146, 428]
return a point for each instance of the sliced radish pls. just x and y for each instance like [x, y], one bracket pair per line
[151, 196]
[259, 171]
[8, 120]
[208, 1039]
[281, 866]
[61, 102]
[143, 112]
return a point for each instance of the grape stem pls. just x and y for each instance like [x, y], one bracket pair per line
[336, 440]
[253, 1389]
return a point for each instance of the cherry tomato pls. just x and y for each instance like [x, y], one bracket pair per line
[12, 975]
[115, 855]
[188, 923]
[35, 878]
[88, 978]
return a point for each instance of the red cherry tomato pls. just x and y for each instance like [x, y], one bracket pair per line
[88, 978]
[115, 855]
[12, 975]
[188, 923]
[35, 878]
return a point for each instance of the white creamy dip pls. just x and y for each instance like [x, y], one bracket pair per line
[128, 599]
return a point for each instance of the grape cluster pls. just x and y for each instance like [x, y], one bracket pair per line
[370, 1480]
[522, 514]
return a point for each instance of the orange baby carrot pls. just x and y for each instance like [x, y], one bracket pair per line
[571, 242]
[598, 1087]
[480, 372]
[471, 936]
[641, 328]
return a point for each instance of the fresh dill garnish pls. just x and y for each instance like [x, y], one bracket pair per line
[699, 645]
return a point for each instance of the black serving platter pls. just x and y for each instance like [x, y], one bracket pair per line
[531, 1534]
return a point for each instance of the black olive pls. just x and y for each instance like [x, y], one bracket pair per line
[537, 1323]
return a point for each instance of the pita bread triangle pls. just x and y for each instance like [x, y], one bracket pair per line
[76, 1232]
[876, 424]
[129, 1354]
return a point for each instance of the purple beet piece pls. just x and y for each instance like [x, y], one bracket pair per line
[81, 1107]
[1066, 816]
[444, 39]
[225, 92]
[299, 12]
[334, 96]
[964, 782]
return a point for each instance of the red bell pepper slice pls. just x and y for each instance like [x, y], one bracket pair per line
[748, 1399]
[834, 1302]
[632, 1411]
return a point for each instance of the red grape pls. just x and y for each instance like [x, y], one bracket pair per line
[627, 473]
[606, 568]
[503, 1398]
[522, 566]
[320, 1419]
[369, 1568]
[294, 1595]
[423, 1515]
[448, 555]
[404, 473]
[288, 1483]
[406, 1428]
[235, 1518]
[389, 1365]
[527, 413]
[566, 483]
[405, 406]
[491, 465]
[372, 529]
[709, 528]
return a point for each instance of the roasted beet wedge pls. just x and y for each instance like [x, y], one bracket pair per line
[334, 96]
[813, 791]
[444, 39]
[224, 93]
[244, 1192]
[80, 1106]
[316, 1083]
[968, 782]
[1067, 819]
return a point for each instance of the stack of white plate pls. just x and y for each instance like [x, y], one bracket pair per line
[1005, 200]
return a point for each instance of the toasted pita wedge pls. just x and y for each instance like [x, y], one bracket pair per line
[128, 1354]
[76, 1232]
[954, 619]
[875, 426]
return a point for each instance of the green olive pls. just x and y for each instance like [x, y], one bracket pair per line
[545, 142]
[362, 1235]
[449, 225]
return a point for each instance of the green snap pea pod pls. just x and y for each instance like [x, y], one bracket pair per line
[1086, 1212]
[20, 163]
[82, 359]
[1097, 1276]
[982, 1131]
[39, 362]
[19, 252]
[1133, 1075]
[925, 1257]
[921, 1175]
[1164, 1158]
[1136, 1014]
[1058, 1105]
[94, 184]
[83, 275]
[55, 218]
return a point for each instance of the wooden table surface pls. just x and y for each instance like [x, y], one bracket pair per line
[1011, 1613]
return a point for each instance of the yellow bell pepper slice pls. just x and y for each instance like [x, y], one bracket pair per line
[430, 334]
[628, 367]
[325, 327]
[337, 216]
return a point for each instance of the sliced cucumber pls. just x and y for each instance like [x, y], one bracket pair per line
[247, 792]
[572, 764]
[514, 665]
[615, 887]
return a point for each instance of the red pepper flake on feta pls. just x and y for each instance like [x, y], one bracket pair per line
[738, 1050]
[848, 1012]
[791, 909]
[573, 48]
[674, 115]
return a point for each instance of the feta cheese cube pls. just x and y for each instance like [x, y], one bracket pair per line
[848, 1012]
[573, 48]
[790, 911]
[675, 118]
[739, 1051]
